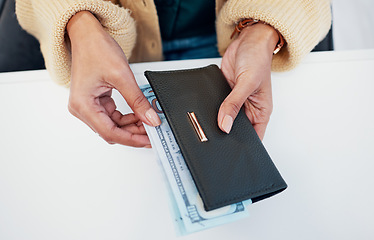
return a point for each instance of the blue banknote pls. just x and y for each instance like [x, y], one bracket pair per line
[187, 204]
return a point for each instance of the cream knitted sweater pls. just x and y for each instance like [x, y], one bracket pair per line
[134, 25]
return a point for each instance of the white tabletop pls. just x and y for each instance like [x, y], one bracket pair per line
[59, 180]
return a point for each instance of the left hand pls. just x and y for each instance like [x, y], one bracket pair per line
[98, 66]
[246, 65]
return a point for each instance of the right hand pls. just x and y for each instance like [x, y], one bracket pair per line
[98, 66]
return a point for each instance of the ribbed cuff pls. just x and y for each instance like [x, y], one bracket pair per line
[47, 20]
[302, 23]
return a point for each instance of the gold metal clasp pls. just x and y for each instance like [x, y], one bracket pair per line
[197, 127]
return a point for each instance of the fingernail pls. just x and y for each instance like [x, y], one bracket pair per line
[227, 123]
[152, 117]
[148, 146]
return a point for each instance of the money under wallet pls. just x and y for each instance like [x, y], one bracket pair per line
[226, 168]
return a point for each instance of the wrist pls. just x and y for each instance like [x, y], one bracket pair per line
[262, 34]
[267, 32]
[81, 25]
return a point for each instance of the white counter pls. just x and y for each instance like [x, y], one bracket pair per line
[59, 180]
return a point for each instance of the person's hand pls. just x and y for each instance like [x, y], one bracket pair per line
[246, 65]
[98, 66]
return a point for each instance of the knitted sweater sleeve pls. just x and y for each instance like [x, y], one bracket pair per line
[303, 23]
[46, 20]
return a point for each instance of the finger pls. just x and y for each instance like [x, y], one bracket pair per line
[108, 103]
[110, 132]
[130, 121]
[231, 106]
[105, 126]
[134, 97]
[115, 115]
[126, 119]
[133, 128]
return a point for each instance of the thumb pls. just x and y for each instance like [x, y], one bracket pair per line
[232, 104]
[135, 98]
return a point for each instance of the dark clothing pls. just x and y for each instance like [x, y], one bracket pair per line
[181, 19]
[18, 50]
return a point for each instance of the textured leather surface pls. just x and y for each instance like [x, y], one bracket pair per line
[229, 167]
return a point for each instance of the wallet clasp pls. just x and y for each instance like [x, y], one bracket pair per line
[197, 127]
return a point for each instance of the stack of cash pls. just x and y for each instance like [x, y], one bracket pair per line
[188, 206]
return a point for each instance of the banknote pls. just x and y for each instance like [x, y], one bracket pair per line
[189, 209]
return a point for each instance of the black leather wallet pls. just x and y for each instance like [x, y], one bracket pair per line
[226, 168]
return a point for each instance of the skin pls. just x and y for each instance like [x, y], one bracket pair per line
[246, 65]
[97, 70]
